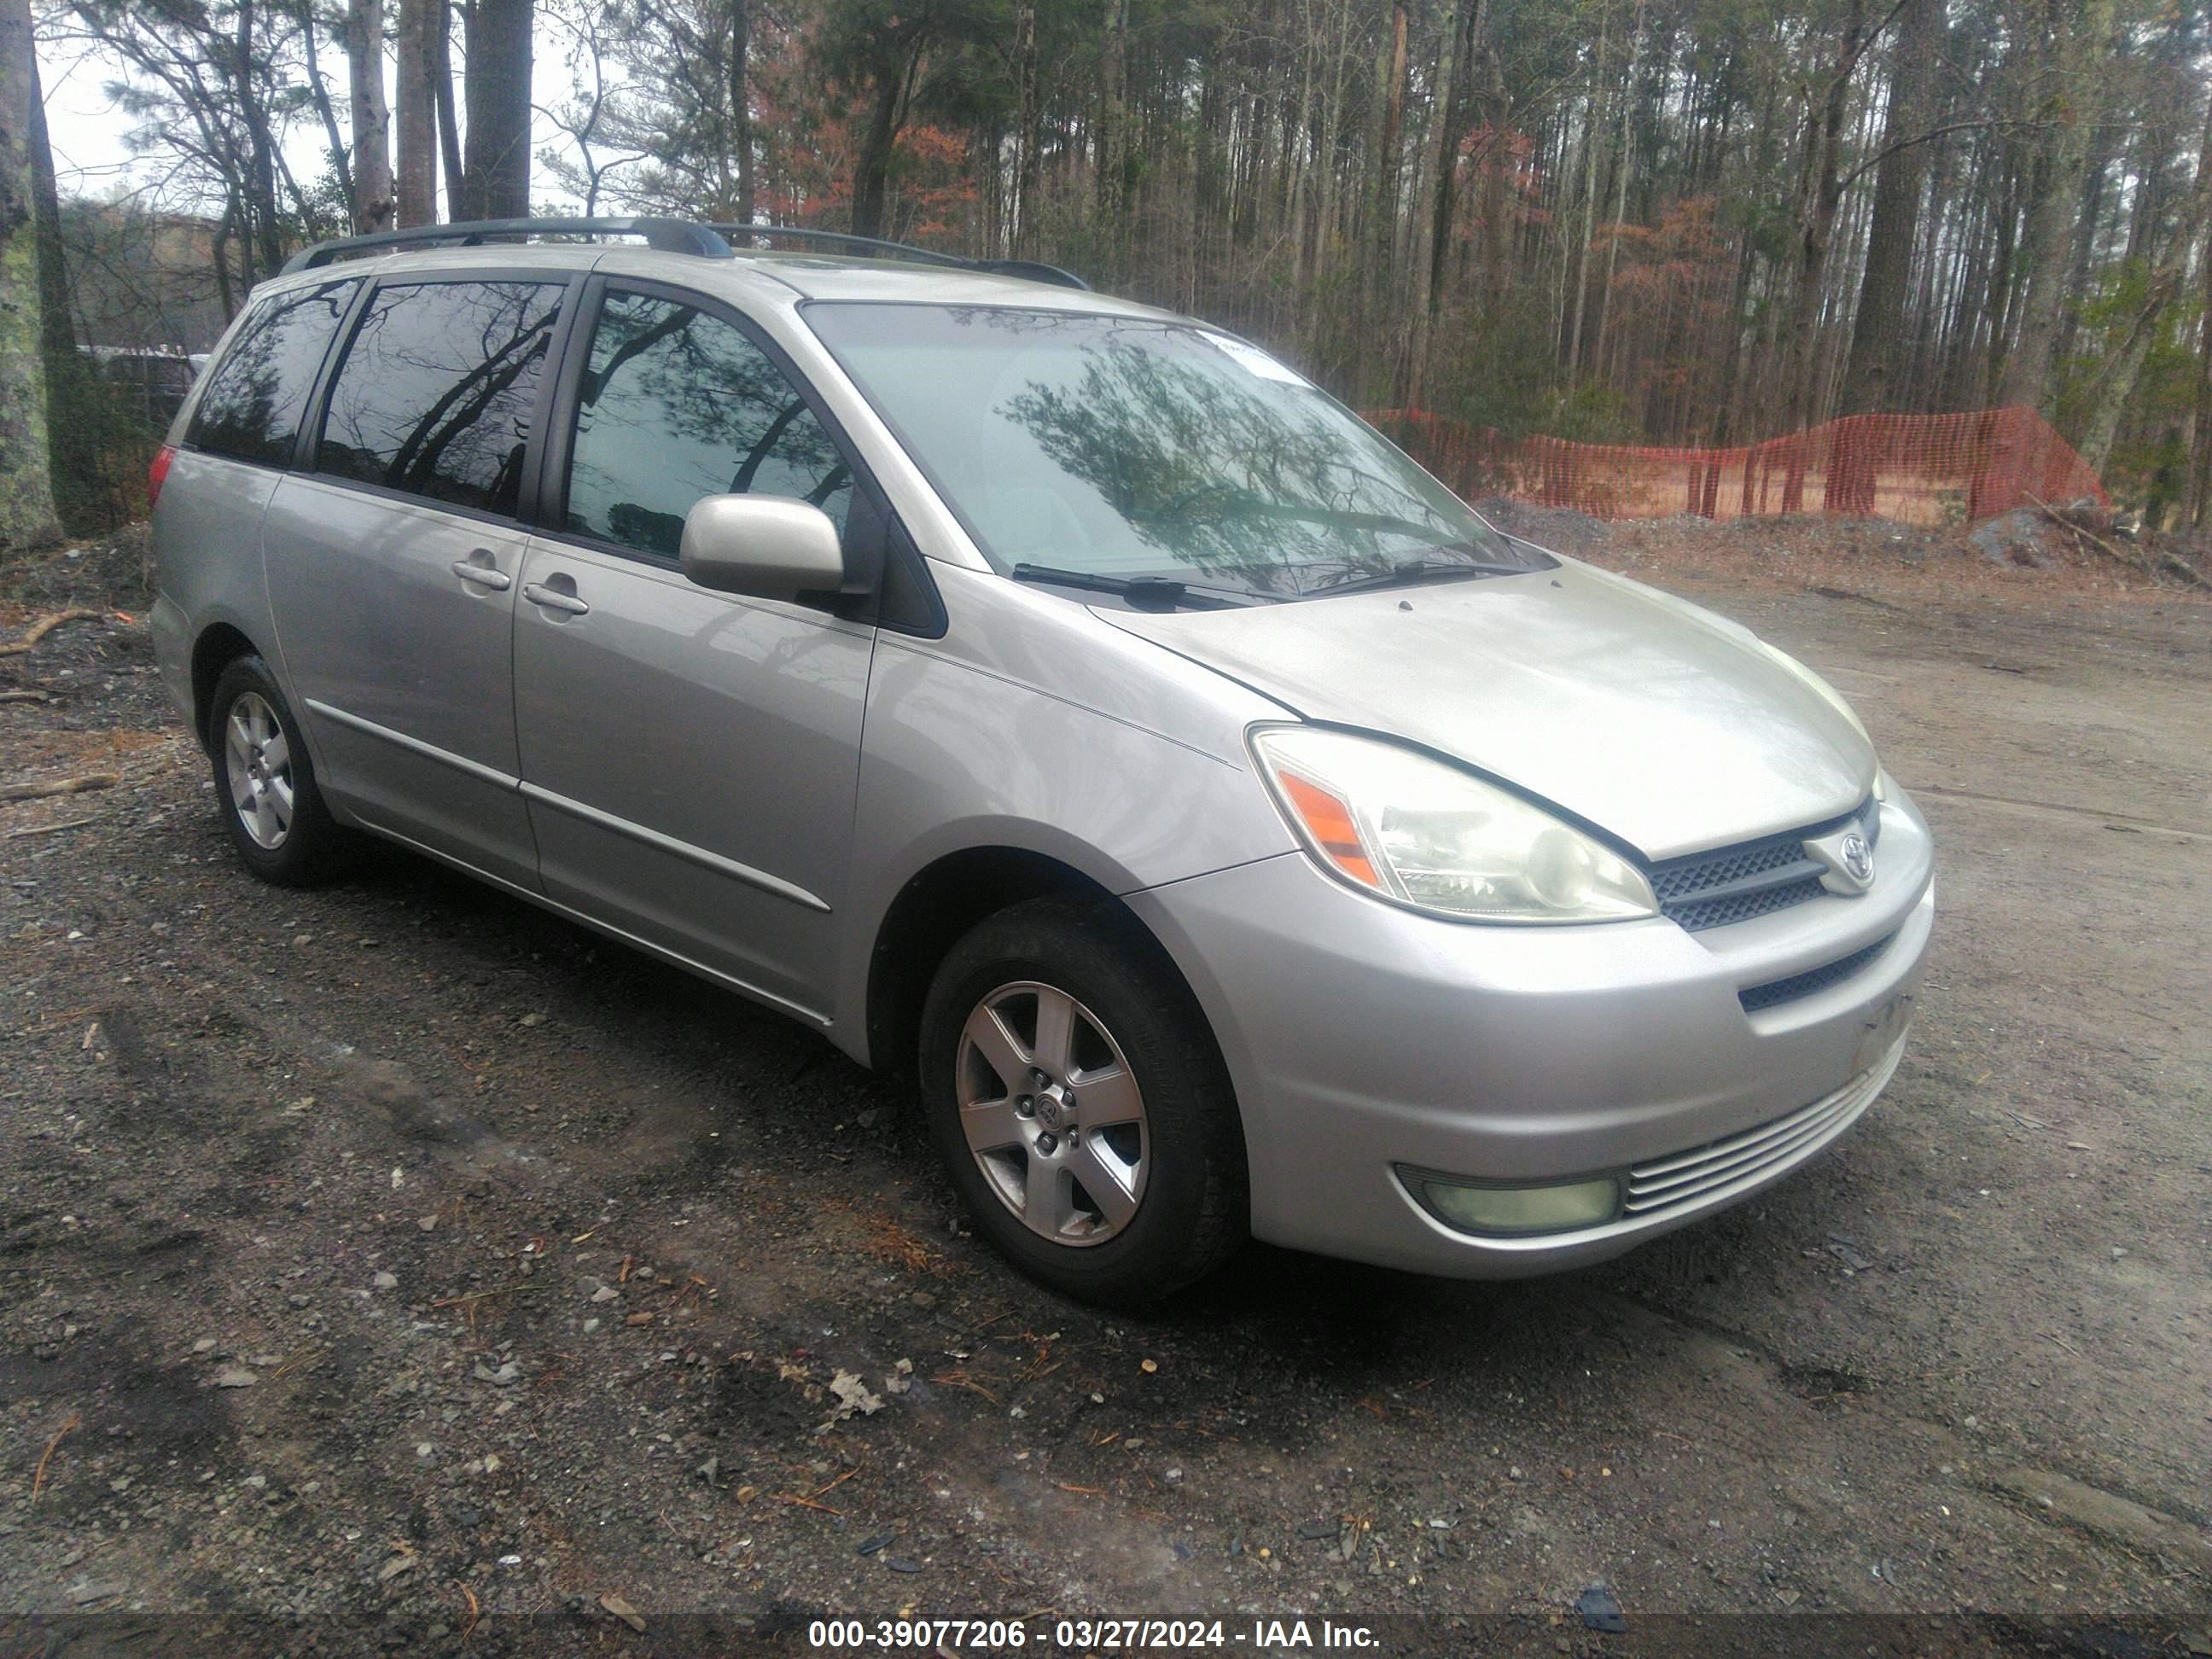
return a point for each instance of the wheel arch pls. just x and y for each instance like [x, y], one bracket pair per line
[219, 644]
[940, 902]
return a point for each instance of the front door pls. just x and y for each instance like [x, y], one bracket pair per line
[393, 569]
[689, 758]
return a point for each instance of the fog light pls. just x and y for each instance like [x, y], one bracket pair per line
[1512, 1211]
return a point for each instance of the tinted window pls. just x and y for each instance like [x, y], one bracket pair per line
[438, 389]
[251, 407]
[677, 405]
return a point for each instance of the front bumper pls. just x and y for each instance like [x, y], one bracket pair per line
[1363, 1039]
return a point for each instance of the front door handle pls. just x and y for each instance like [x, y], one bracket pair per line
[479, 568]
[553, 599]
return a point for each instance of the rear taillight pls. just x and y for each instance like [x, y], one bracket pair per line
[158, 472]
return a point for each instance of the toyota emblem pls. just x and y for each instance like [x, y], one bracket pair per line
[1846, 861]
[1857, 857]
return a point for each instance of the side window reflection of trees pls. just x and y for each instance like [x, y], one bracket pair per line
[437, 390]
[251, 407]
[677, 405]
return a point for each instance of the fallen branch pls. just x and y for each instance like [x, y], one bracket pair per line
[521, 1286]
[475, 1611]
[24, 697]
[51, 829]
[794, 1498]
[84, 785]
[46, 625]
[2068, 522]
[2182, 568]
[299, 1357]
[39, 1480]
[2178, 566]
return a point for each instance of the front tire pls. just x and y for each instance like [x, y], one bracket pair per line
[1080, 1105]
[277, 820]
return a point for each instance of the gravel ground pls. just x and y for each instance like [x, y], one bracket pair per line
[397, 1265]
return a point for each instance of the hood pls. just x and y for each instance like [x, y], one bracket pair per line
[1671, 727]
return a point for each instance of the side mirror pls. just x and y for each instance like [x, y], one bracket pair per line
[766, 547]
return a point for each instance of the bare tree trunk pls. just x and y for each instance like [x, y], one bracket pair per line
[495, 178]
[261, 147]
[1027, 139]
[73, 451]
[1382, 226]
[318, 90]
[2120, 372]
[2200, 482]
[1823, 197]
[442, 90]
[1990, 318]
[1871, 378]
[872, 169]
[1382, 223]
[1113, 163]
[1581, 277]
[1443, 169]
[1298, 179]
[1495, 242]
[415, 110]
[219, 257]
[2199, 503]
[2116, 395]
[372, 120]
[2043, 251]
[2055, 204]
[741, 107]
[1620, 183]
[1446, 135]
[27, 494]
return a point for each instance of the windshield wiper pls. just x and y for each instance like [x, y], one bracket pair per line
[1143, 593]
[1413, 573]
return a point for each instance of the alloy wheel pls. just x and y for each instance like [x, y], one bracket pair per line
[257, 762]
[1052, 1113]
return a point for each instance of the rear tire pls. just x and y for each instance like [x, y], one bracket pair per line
[1080, 1104]
[265, 782]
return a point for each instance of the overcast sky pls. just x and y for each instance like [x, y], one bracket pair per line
[89, 134]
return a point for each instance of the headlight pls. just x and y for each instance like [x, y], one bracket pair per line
[1421, 833]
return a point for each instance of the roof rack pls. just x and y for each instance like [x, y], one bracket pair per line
[667, 235]
[1031, 269]
[705, 241]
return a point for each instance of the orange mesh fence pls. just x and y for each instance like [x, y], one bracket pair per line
[1922, 468]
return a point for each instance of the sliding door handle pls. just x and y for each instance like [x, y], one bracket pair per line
[553, 599]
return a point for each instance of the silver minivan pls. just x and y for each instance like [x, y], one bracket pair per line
[1234, 833]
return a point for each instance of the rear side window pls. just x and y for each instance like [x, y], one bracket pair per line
[677, 405]
[251, 407]
[439, 388]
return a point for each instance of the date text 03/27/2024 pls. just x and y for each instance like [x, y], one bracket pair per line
[1087, 1635]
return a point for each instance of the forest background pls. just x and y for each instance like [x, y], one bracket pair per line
[1679, 222]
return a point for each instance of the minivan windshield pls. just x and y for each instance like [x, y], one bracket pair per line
[1129, 450]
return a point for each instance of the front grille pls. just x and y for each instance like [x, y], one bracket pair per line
[1697, 915]
[1776, 991]
[1705, 1174]
[1751, 878]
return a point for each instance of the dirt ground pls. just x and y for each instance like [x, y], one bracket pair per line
[396, 1266]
